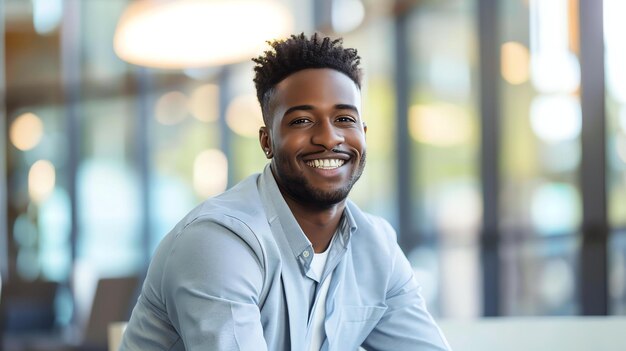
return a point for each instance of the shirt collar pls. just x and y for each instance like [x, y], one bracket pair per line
[349, 226]
[277, 209]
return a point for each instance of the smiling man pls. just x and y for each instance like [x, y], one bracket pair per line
[283, 260]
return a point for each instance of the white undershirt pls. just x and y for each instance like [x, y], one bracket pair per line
[319, 309]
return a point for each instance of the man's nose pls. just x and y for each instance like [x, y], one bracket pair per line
[327, 135]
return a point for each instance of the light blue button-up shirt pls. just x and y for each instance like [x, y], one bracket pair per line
[235, 274]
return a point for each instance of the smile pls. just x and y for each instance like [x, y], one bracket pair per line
[326, 163]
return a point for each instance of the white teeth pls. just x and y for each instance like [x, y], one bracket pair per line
[326, 163]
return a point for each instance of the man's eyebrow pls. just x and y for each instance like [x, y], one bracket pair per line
[346, 107]
[310, 107]
[298, 108]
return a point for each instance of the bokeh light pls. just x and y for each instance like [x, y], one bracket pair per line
[204, 103]
[556, 118]
[616, 73]
[555, 208]
[555, 72]
[210, 173]
[554, 67]
[458, 209]
[171, 108]
[47, 15]
[244, 115]
[347, 15]
[515, 62]
[174, 34]
[55, 227]
[26, 131]
[450, 75]
[41, 180]
[110, 211]
[440, 124]
[615, 56]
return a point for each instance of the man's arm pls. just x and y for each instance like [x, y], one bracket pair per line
[212, 280]
[406, 325]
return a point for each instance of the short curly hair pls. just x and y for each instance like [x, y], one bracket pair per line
[297, 53]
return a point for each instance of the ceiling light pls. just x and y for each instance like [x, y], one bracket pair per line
[198, 33]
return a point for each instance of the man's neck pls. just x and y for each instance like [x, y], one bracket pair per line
[318, 224]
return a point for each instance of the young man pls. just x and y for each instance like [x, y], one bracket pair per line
[283, 261]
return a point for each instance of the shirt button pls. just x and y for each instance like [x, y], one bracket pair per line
[306, 254]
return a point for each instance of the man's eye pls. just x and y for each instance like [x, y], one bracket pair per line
[299, 121]
[346, 119]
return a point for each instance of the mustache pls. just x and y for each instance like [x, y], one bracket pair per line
[331, 151]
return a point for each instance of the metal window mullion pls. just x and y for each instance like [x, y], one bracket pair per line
[142, 156]
[71, 85]
[70, 63]
[593, 256]
[322, 15]
[407, 236]
[489, 64]
[4, 233]
[225, 97]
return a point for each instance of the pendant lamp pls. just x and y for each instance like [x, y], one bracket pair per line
[181, 34]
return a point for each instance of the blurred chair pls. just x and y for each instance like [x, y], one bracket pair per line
[536, 334]
[114, 299]
[28, 316]
[28, 307]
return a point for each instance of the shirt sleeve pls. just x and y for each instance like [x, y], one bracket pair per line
[406, 325]
[212, 281]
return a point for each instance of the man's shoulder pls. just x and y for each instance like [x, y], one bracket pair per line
[238, 209]
[374, 243]
[242, 200]
[369, 218]
[371, 226]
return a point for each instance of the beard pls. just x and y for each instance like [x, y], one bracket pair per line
[296, 186]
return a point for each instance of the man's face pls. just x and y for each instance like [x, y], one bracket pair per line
[316, 137]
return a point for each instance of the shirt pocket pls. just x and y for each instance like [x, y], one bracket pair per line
[355, 324]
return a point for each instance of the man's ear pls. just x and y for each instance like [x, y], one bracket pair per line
[364, 127]
[266, 143]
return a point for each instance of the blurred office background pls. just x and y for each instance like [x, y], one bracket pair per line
[496, 134]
